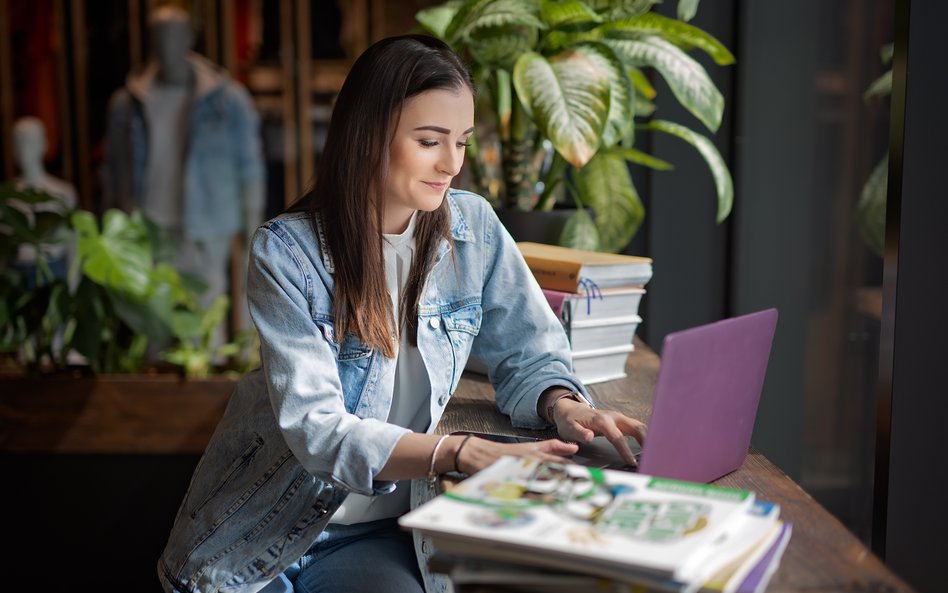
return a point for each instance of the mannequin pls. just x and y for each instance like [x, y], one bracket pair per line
[29, 148]
[183, 144]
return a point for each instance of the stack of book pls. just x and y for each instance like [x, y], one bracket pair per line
[596, 296]
[524, 525]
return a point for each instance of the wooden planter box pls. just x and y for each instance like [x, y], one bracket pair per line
[141, 414]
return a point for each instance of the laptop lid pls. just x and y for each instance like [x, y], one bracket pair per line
[705, 400]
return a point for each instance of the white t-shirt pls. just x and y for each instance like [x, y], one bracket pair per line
[167, 112]
[411, 393]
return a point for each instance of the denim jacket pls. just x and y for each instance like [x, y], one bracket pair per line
[310, 427]
[224, 167]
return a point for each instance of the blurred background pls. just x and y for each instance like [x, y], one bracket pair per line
[802, 133]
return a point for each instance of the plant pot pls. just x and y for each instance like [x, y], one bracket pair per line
[535, 226]
[150, 414]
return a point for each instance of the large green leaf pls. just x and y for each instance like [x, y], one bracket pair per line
[642, 84]
[146, 318]
[870, 211]
[569, 14]
[580, 232]
[620, 9]
[886, 52]
[499, 47]
[478, 14]
[91, 326]
[436, 19]
[687, 79]
[719, 171]
[638, 157]
[687, 9]
[605, 185]
[880, 87]
[621, 103]
[681, 34]
[120, 256]
[568, 97]
[18, 223]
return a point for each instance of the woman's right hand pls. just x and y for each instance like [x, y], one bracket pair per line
[478, 453]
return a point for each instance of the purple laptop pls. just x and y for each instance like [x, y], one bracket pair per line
[705, 400]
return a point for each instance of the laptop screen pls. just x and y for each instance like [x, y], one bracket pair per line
[704, 404]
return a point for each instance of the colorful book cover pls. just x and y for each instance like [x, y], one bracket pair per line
[745, 547]
[759, 577]
[621, 525]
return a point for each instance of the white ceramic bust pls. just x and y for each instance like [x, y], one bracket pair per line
[29, 148]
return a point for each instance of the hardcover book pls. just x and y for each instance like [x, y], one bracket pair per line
[602, 333]
[601, 364]
[593, 305]
[563, 268]
[618, 525]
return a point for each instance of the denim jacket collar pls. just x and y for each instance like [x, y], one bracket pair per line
[208, 77]
[460, 231]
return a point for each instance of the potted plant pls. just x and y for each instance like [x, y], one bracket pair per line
[74, 342]
[870, 209]
[115, 300]
[563, 95]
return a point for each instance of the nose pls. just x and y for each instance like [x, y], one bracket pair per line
[450, 160]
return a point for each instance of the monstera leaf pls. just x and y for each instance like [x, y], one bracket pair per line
[119, 256]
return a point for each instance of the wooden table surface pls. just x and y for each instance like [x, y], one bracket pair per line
[823, 556]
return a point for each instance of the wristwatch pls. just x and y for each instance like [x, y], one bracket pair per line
[573, 395]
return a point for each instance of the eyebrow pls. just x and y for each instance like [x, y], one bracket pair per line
[441, 130]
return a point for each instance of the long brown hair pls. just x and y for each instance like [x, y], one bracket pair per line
[351, 178]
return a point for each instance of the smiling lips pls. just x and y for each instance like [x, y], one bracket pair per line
[436, 186]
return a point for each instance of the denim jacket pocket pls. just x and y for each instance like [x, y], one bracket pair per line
[240, 461]
[462, 326]
[353, 361]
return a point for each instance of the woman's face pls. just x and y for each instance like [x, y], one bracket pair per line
[426, 153]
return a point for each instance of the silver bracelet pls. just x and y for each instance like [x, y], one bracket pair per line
[432, 476]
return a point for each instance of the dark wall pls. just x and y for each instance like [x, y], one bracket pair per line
[912, 481]
[89, 522]
[690, 282]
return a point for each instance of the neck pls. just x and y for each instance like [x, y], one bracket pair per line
[396, 220]
[175, 74]
[33, 174]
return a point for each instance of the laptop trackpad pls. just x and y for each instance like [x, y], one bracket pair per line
[600, 453]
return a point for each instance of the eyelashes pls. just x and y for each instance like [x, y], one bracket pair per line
[433, 143]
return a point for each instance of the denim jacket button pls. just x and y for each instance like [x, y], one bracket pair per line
[434, 323]
[443, 399]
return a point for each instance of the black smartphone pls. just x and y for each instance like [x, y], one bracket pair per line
[498, 438]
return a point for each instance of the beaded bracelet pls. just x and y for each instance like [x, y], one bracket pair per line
[457, 454]
[432, 475]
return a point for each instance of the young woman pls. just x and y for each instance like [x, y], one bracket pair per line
[369, 294]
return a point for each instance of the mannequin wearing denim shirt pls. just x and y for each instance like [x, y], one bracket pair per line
[183, 144]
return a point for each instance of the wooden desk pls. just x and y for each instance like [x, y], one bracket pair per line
[823, 556]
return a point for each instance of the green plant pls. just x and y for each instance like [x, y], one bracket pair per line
[564, 93]
[116, 300]
[34, 302]
[870, 209]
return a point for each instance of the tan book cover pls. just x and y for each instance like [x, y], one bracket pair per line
[562, 268]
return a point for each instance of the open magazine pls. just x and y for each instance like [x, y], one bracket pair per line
[666, 534]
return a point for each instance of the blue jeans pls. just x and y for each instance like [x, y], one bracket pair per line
[373, 557]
